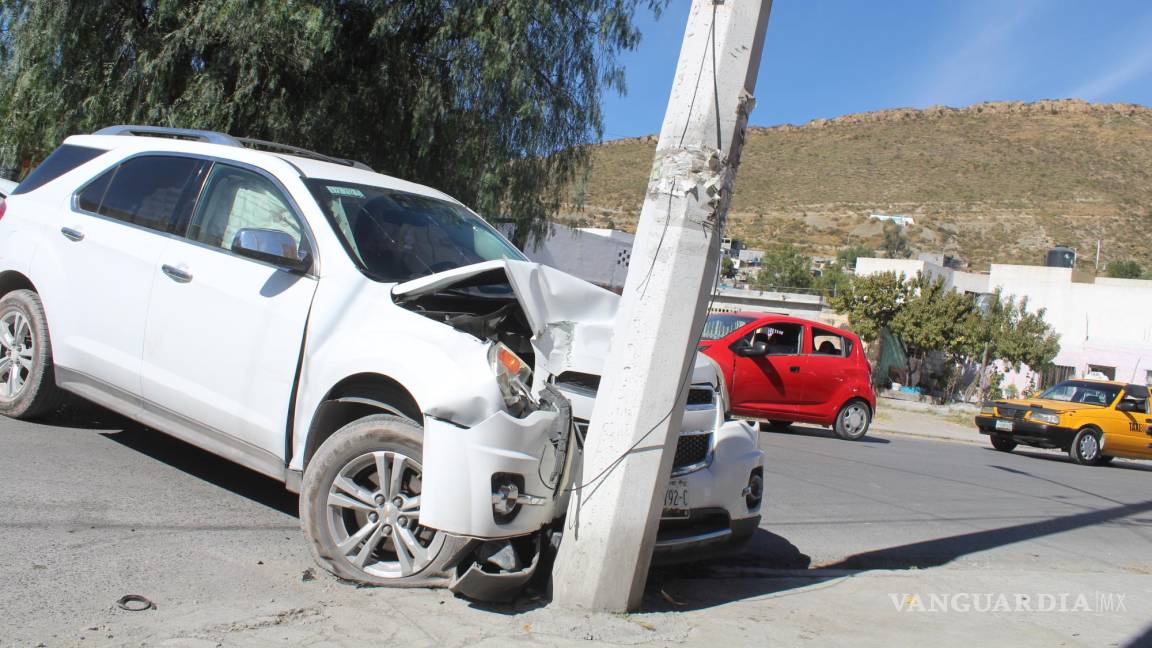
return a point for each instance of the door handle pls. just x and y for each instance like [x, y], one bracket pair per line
[794, 369]
[176, 274]
[71, 234]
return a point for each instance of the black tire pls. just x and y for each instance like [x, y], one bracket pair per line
[37, 393]
[325, 526]
[852, 420]
[775, 426]
[1105, 460]
[1003, 443]
[1085, 449]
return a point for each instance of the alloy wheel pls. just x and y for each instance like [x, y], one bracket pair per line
[17, 350]
[373, 513]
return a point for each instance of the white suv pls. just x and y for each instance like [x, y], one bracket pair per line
[369, 341]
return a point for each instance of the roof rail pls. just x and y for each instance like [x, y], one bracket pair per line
[210, 137]
[272, 147]
[213, 137]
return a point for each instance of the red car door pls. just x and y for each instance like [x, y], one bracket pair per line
[767, 386]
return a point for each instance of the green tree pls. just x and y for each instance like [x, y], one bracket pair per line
[895, 242]
[871, 302]
[933, 319]
[491, 102]
[833, 279]
[1125, 270]
[727, 267]
[847, 256]
[784, 267]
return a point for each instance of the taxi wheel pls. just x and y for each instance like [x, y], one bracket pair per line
[1003, 443]
[1085, 448]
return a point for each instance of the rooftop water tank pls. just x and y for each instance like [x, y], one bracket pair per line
[1061, 257]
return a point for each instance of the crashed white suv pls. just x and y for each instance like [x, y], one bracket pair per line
[369, 341]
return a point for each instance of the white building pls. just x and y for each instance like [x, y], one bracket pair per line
[599, 256]
[1104, 325]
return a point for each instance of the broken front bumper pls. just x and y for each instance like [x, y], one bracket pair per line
[496, 479]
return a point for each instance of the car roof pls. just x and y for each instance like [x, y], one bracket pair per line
[775, 317]
[306, 167]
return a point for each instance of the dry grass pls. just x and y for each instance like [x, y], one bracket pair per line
[988, 183]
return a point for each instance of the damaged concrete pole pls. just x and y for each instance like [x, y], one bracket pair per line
[616, 503]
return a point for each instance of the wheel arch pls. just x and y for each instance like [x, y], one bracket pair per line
[11, 280]
[354, 398]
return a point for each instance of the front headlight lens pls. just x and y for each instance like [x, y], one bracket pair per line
[988, 410]
[1041, 417]
[514, 378]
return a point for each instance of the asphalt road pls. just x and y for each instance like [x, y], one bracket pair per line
[93, 507]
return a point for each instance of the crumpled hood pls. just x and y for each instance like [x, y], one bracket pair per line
[571, 320]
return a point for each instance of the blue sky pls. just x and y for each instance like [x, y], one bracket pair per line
[825, 58]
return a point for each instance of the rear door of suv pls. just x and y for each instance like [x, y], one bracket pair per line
[94, 269]
[224, 331]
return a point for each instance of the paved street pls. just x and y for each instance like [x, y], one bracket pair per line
[90, 511]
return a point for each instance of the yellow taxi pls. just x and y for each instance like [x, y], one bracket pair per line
[1092, 420]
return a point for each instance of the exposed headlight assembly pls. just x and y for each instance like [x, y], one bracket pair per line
[514, 378]
[1041, 417]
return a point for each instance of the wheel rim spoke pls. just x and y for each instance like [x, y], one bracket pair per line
[369, 546]
[381, 459]
[355, 539]
[355, 490]
[411, 554]
[341, 500]
[412, 505]
[397, 476]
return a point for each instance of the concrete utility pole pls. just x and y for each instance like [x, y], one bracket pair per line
[616, 504]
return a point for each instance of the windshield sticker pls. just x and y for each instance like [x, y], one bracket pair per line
[345, 191]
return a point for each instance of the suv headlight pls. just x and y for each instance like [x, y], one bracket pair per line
[513, 377]
[1052, 419]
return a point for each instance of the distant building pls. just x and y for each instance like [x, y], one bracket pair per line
[751, 257]
[599, 256]
[902, 221]
[1099, 320]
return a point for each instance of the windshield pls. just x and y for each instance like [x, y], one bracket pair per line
[718, 326]
[1089, 393]
[398, 236]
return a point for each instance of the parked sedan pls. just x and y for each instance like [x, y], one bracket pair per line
[781, 370]
[1092, 420]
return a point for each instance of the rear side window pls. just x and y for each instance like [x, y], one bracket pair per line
[155, 191]
[62, 160]
[829, 343]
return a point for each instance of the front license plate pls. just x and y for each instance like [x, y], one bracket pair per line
[1004, 426]
[676, 500]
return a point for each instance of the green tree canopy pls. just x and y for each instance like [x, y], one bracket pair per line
[847, 256]
[491, 102]
[784, 267]
[871, 302]
[1125, 270]
[895, 242]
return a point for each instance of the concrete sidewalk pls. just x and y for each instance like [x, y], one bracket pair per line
[926, 420]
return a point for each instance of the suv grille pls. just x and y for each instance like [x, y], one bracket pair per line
[692, 449]
[697, 396]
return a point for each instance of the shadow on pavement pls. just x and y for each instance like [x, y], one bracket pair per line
[1062, 457]
[206, 466]
[822, 433]
[704, 585]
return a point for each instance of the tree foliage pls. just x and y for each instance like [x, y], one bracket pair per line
[784, 267]
[847, 256]
[932, 318]
[1125, 270]
[871, 302]
[491, 102]
[895, 242]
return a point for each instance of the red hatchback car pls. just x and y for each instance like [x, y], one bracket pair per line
[782, 370]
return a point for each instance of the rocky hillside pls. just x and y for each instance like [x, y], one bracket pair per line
[994, 182]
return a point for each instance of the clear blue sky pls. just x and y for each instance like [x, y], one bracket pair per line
[825, 58]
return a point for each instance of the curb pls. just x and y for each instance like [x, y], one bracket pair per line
[934, 437]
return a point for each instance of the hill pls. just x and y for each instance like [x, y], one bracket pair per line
[990, 183]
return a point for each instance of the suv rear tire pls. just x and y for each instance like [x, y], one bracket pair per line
[27, 377]
[366, 529]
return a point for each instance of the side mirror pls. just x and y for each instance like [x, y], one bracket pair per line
[756, 350]
[1128, 406]
[271, 246]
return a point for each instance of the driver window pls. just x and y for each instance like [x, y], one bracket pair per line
[781, 339]
[236, 199]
